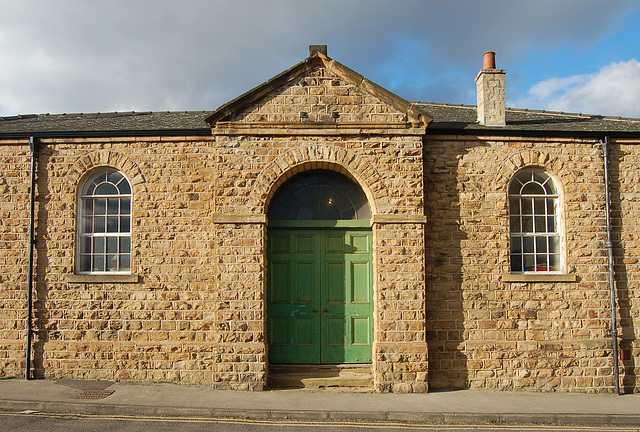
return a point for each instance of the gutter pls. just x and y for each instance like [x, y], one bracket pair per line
[106, 133]
[612, 282]
[33, 145]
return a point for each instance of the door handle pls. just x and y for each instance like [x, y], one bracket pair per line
[315, 310]
[325, 310]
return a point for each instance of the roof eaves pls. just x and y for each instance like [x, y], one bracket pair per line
[106, 133]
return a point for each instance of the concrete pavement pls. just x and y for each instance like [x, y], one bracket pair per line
[466, 406]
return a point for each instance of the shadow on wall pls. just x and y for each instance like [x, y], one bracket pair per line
[44, 327]
[626, 327]
[448, 364]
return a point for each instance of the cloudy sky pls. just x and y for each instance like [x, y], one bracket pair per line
[61, 56]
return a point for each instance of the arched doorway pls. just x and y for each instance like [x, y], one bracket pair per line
[320, 271]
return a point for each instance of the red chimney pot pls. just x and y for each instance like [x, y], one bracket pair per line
[489, 60]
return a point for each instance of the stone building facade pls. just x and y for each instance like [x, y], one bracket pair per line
[440, 285]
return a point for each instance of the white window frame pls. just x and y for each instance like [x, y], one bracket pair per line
[100, 232]
[535, 223]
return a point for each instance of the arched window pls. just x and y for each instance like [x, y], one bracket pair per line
[534, 213]
[104, 234]
[319, 195]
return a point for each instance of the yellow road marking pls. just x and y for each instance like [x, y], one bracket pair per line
[328, 422]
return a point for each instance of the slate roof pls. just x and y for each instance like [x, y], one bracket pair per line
[449, 119]
[106, 124]
[462, 119]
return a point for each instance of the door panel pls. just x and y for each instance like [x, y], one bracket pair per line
[319, 303]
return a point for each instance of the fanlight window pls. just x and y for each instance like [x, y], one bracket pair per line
[534, 222]
[319, 195]
[104, 240]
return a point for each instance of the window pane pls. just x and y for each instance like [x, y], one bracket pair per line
[99, 224]
[533, 189]
[539, 205]
[351, 213]
[516, 245]
[112, 224]
[541, 226]
[527, 245]
[529, 262]
[554, 245]
[551, 223]
[125, 206]
[125, 262]
[106, 189]
[541, 245]
[98, 263]
[87, 224]
[88, 207]
[516, 263]
[527, 206]
[85, 245]
[551, 206]
[539, 176]
[100, 206]
[98, 245]
[112, 206]
[112, 245]
[554, 262]
[550, 187]
[114, 177]
[112, 263]
[125, 188]
[125, 222]
[515, 224]
[125, 245]
[85, 263]
[527, 224]
[541, 263]
[514, 206]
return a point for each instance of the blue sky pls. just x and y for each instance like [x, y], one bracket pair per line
[88, 56]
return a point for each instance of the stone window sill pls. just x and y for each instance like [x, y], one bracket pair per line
[511, 277]
[102, 278]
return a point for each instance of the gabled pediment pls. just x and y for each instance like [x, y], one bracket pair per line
[319, 94]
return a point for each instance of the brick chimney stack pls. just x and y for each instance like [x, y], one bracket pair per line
[490, 88]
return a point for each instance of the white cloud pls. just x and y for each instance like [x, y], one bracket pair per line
[77, 55]
[613, 90]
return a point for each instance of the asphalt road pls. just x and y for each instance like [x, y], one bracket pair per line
[34, 421]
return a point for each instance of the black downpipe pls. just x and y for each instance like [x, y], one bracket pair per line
[33, 145]
[612, 281]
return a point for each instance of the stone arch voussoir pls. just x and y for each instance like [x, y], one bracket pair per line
[107, 158]
[318, 157]
[532, 158]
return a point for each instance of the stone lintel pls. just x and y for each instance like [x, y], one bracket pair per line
[238, 219]
[398, 219]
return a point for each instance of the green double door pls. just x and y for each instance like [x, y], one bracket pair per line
[319, 306]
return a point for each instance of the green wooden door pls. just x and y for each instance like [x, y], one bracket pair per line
[320, 307]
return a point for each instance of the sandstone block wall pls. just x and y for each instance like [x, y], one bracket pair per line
[487, 332]
[447, 311]
[193, 309]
